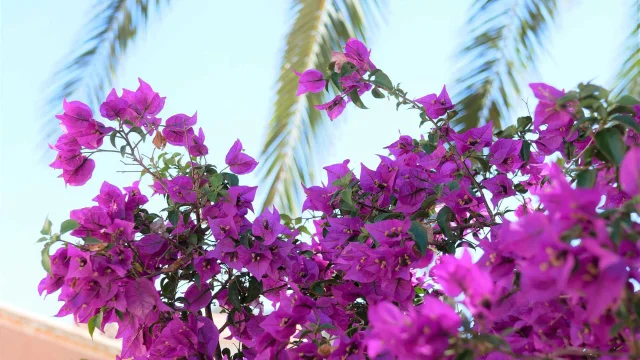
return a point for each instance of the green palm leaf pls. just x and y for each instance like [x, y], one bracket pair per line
[628, 79]
[90, 71]
[297, 131]
[505, 38]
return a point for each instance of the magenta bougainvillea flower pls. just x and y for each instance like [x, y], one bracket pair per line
[630, 172]
[436, 106]
[239, 162]
[76, 117]
[81, 174]
[356, 52]
[500, 187]
[267, 225]
[181, 189]
[475, 139]
[334, 107]
[195, 143]
[310, 81]
[116, 107]
[505, 155]
[144, 101]
[423, 333]
[548, 111]
[381, 267]
[177, 127]
[462, 275]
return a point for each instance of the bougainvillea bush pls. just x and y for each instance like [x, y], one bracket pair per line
[381, 266]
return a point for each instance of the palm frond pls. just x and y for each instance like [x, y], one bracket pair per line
[628, 78]
[505, 39]
[93, 62]
[297, 131]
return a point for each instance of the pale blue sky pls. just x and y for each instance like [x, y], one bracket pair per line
[221, 58]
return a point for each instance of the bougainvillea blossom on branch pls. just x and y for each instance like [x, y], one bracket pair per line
[381, 265]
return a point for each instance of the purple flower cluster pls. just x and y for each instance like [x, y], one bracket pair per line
[80, 131]
[387, 272]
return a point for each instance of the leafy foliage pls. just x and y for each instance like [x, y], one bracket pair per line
[296, 129]
[505, 39]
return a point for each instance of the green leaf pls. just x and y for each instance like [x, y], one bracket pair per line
[138, 131]
[44, 238]
[587, 90]
[355, 98]
[570, 96]
[431, 144]
[286, 218]
[438, 189]
[611, 145]
[381, 79]
[304, 230]
[112, 138]
[173, 217]
[335, 79]
[68, 225]
[466, 355]
[46, 228]
[95, 322]
[46, 260]
[507, 133]
[429, 148]
[344, 181]
[420, 235]
[428, 202]
[347, 69]
[523, 122]
[377, 93]
[525, 150]
[216, 180]
[254, 290]
[346, 202]
[484, 164]
[186, 215]
[520, 188]
[233, 294]
[615, 329]
[232, 179]
[453, 185]
[326, 326]
[628, 100]
[627, 121]
[386, 216]
[586, 178]
[123, 150]
[444, 221]
[91, 240]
